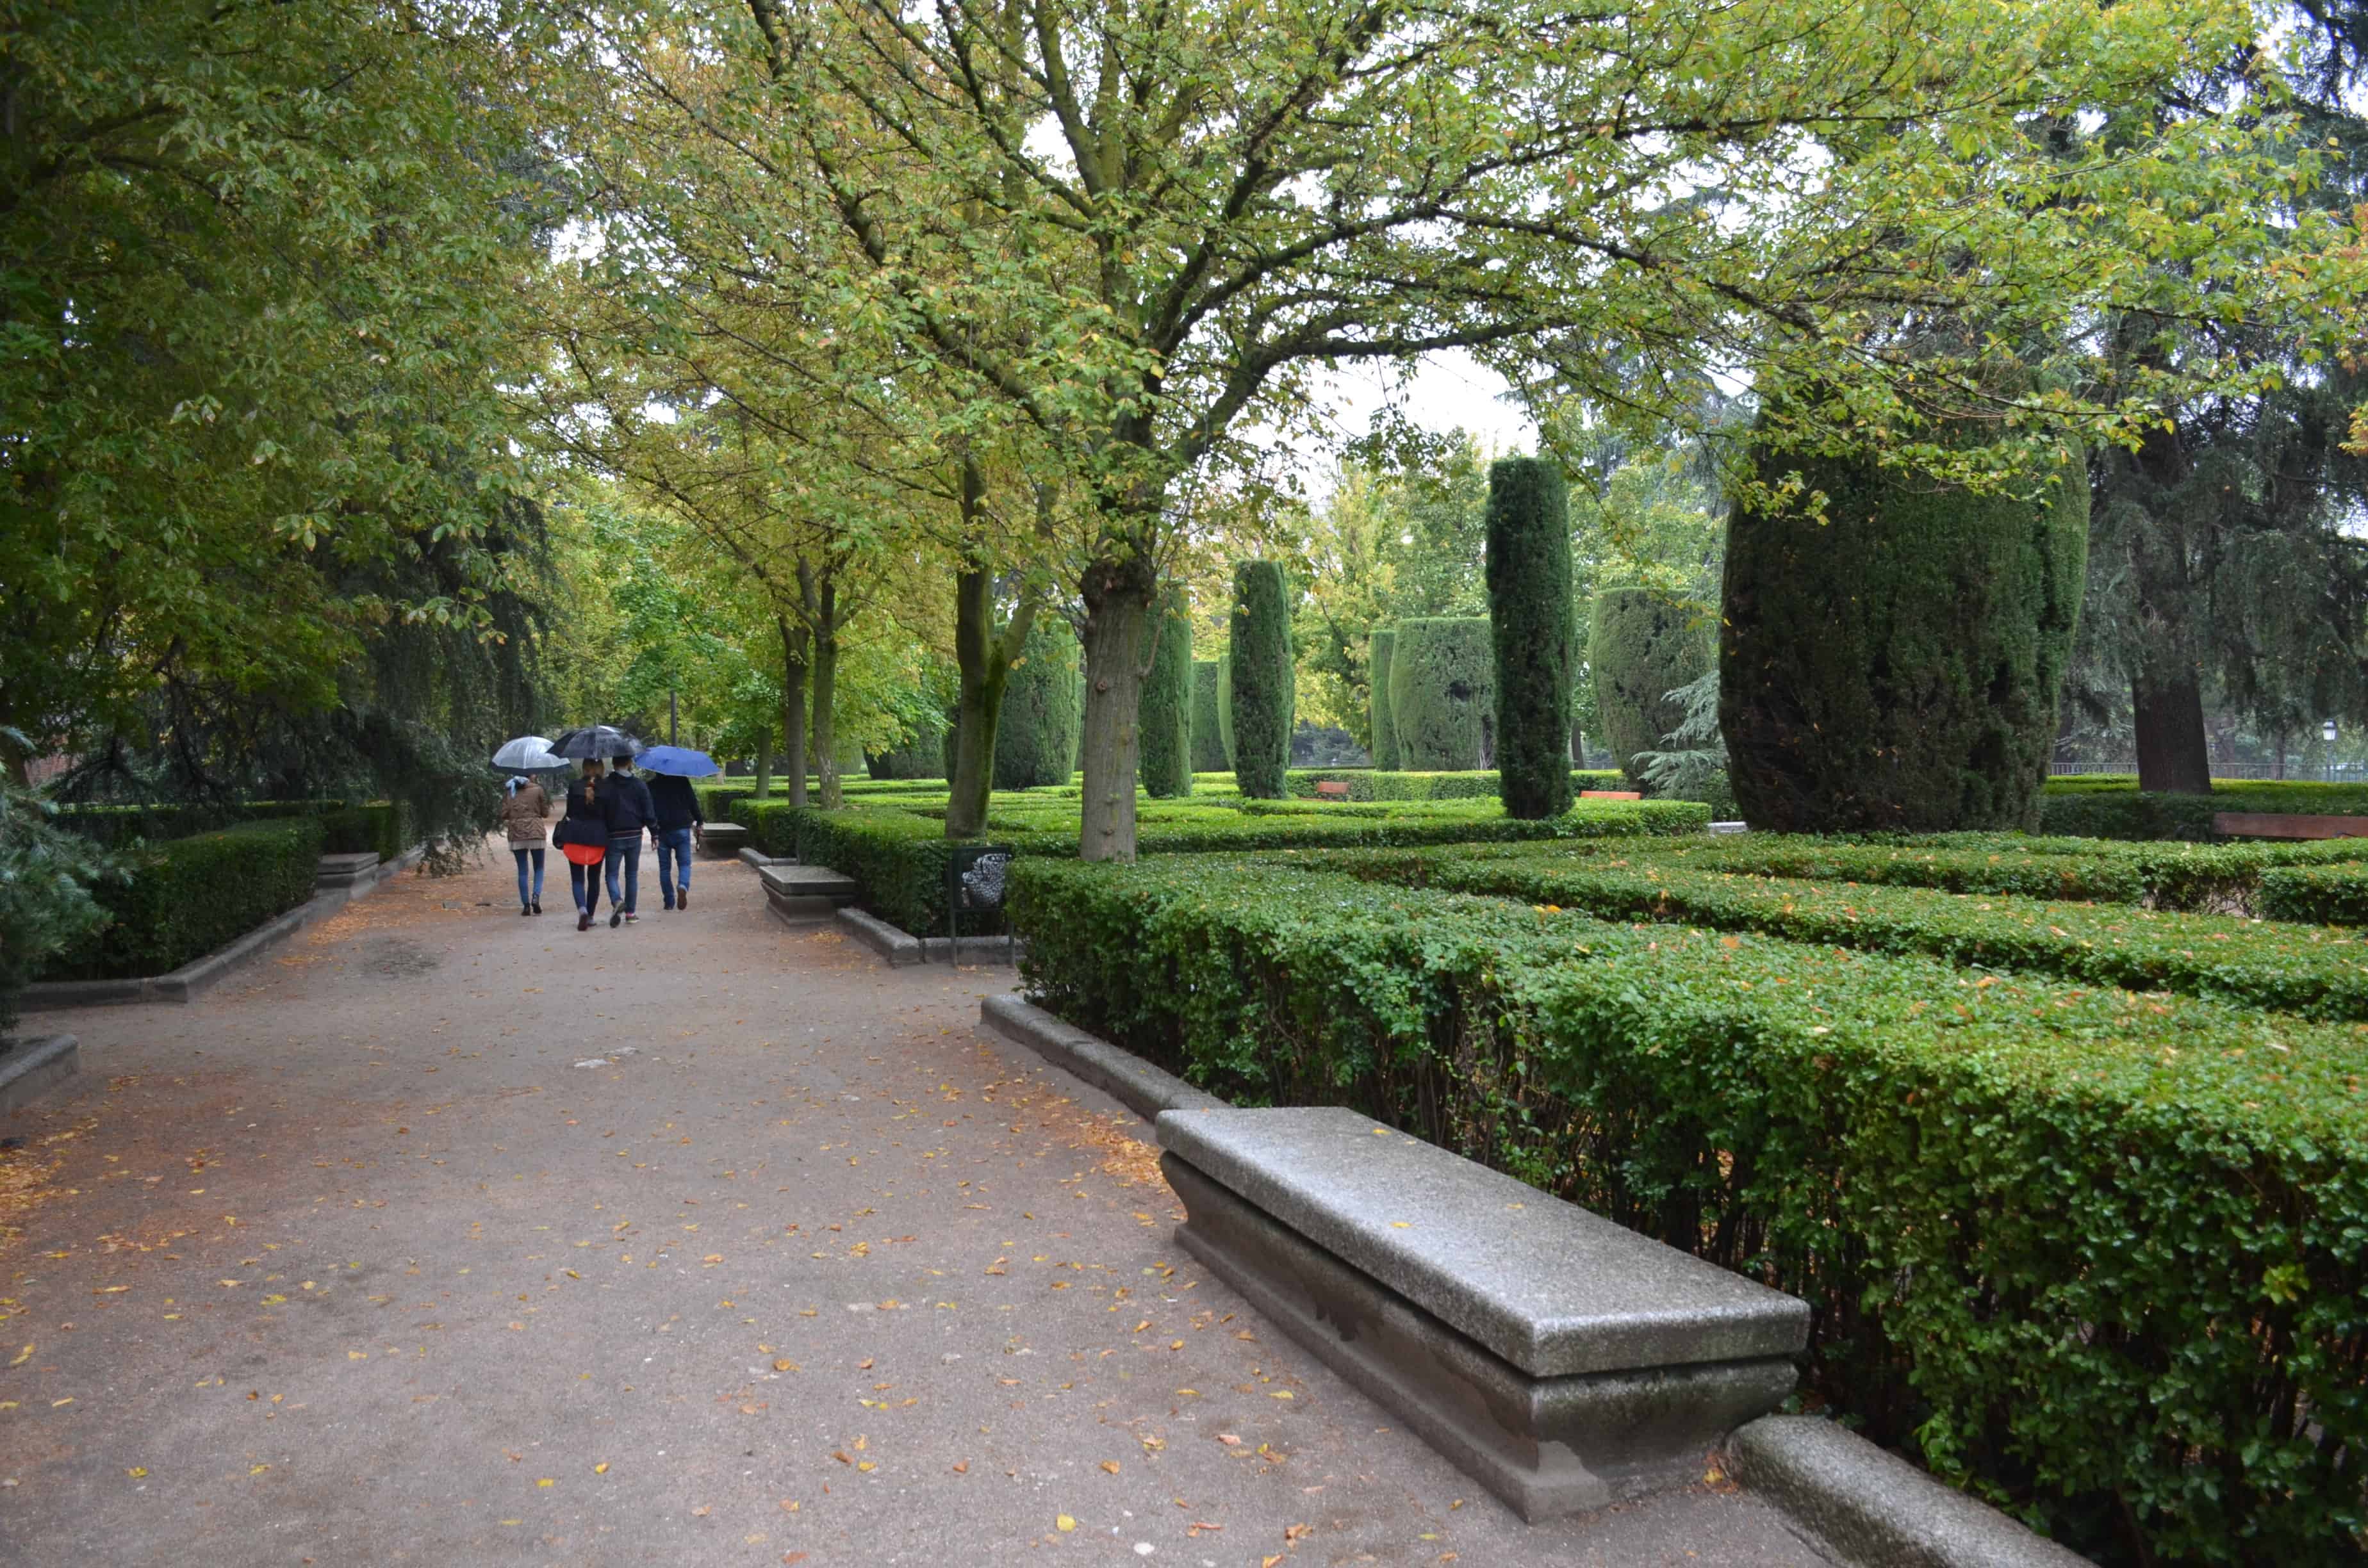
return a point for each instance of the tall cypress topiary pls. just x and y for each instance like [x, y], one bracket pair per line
[1897, 666]
[1443, 694]
[1036, 733]
[1264, 680]
[1643, 645]
[1208, 740]
[1165, 710]
[1528, 617]
[1385, 729]
[1225, 707]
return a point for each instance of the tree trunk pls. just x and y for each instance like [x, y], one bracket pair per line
[825, 692]
[2167, 703]
[1118, 594]
[984, 658]
[764, 763]
[794, 710]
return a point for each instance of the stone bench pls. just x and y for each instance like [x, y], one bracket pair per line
[2287, 825]
[1565, 1362]
[806, 892]
[348, 871]
[722, 840]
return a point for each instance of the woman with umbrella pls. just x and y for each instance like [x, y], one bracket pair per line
[525, 808]
[582, 832]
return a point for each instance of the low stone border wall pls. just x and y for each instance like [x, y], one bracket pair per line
[32, 1067]
[1869, 1509]
[1124, 1076]
[197, 976]
[1861, 1506]
[900, 946]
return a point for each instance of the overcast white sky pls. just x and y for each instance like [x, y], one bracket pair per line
[1446, 389]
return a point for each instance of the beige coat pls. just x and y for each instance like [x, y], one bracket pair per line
[523, 813]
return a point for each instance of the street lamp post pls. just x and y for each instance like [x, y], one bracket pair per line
[2327, 733]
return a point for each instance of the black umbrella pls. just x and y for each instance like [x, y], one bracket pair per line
[603, 741]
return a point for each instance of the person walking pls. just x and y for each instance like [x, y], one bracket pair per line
[631, 813]
[679, 820]
[524, 811]
[582, 837]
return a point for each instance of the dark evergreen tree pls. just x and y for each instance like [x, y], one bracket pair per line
[1036, 734]
[1443, 694]
[1385, 731]
[1897, 666]
[1642, 645]
[1208, 738]
[1225, 707]
[1165, 714]
[1263, 679]
[1530, 619]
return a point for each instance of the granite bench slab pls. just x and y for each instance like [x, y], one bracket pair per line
[722, 840]
[806, 892]
[1564, 1362]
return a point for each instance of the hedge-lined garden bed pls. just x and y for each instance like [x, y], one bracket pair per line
[382, 825]
[182, 898]
[2312, 972]
[2111, 806]
[2101, 1256]
[899, 855]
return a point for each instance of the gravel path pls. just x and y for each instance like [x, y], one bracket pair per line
[448, 1237]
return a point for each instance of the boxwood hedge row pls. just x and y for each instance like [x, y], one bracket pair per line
[2316, 973]
[2102, 1258]
[899, 855]
[179, 899]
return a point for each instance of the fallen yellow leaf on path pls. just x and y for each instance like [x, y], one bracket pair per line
[546, 1481]
[22, 1356]
[1110, 1465]
[1064, 1524]
[600, 1469]
[136, 1472]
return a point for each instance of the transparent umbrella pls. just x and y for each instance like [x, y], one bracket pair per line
[528, 754]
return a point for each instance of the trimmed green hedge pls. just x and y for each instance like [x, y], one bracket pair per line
[2114, 808]
[1164, 712]
[898, 854]
[1036, 733]
[2103, 1256]
[1225, 713]
[2325, 895]
[1383, 728]
[1530, 615]
[1893, 665]
[1443, 694]
[2314, 973]
[1208, 743]
[1371, 784]
[1642, 645]
[179, 899]
[1263, 679]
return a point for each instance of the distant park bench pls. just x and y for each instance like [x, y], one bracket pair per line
[1612, 794]
[2287, 825]
[1331, 789]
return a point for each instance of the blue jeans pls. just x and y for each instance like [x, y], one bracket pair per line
[626, 851]
[524, 896]
[674, 845]
[585, 881]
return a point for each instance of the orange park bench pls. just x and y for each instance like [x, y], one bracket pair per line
[1331, 789]
[1612, 794]
[2287, 825]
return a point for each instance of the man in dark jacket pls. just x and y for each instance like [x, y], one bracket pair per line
[679, 818]
[631, 813]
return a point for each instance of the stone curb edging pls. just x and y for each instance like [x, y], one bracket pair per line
[34, 1066]
[1867, 1508]
[757, 859]
[1861, 1506]
[1124, 1076]
[900, 946]
[201, 974]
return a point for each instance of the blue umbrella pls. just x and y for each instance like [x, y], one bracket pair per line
[680, 761]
